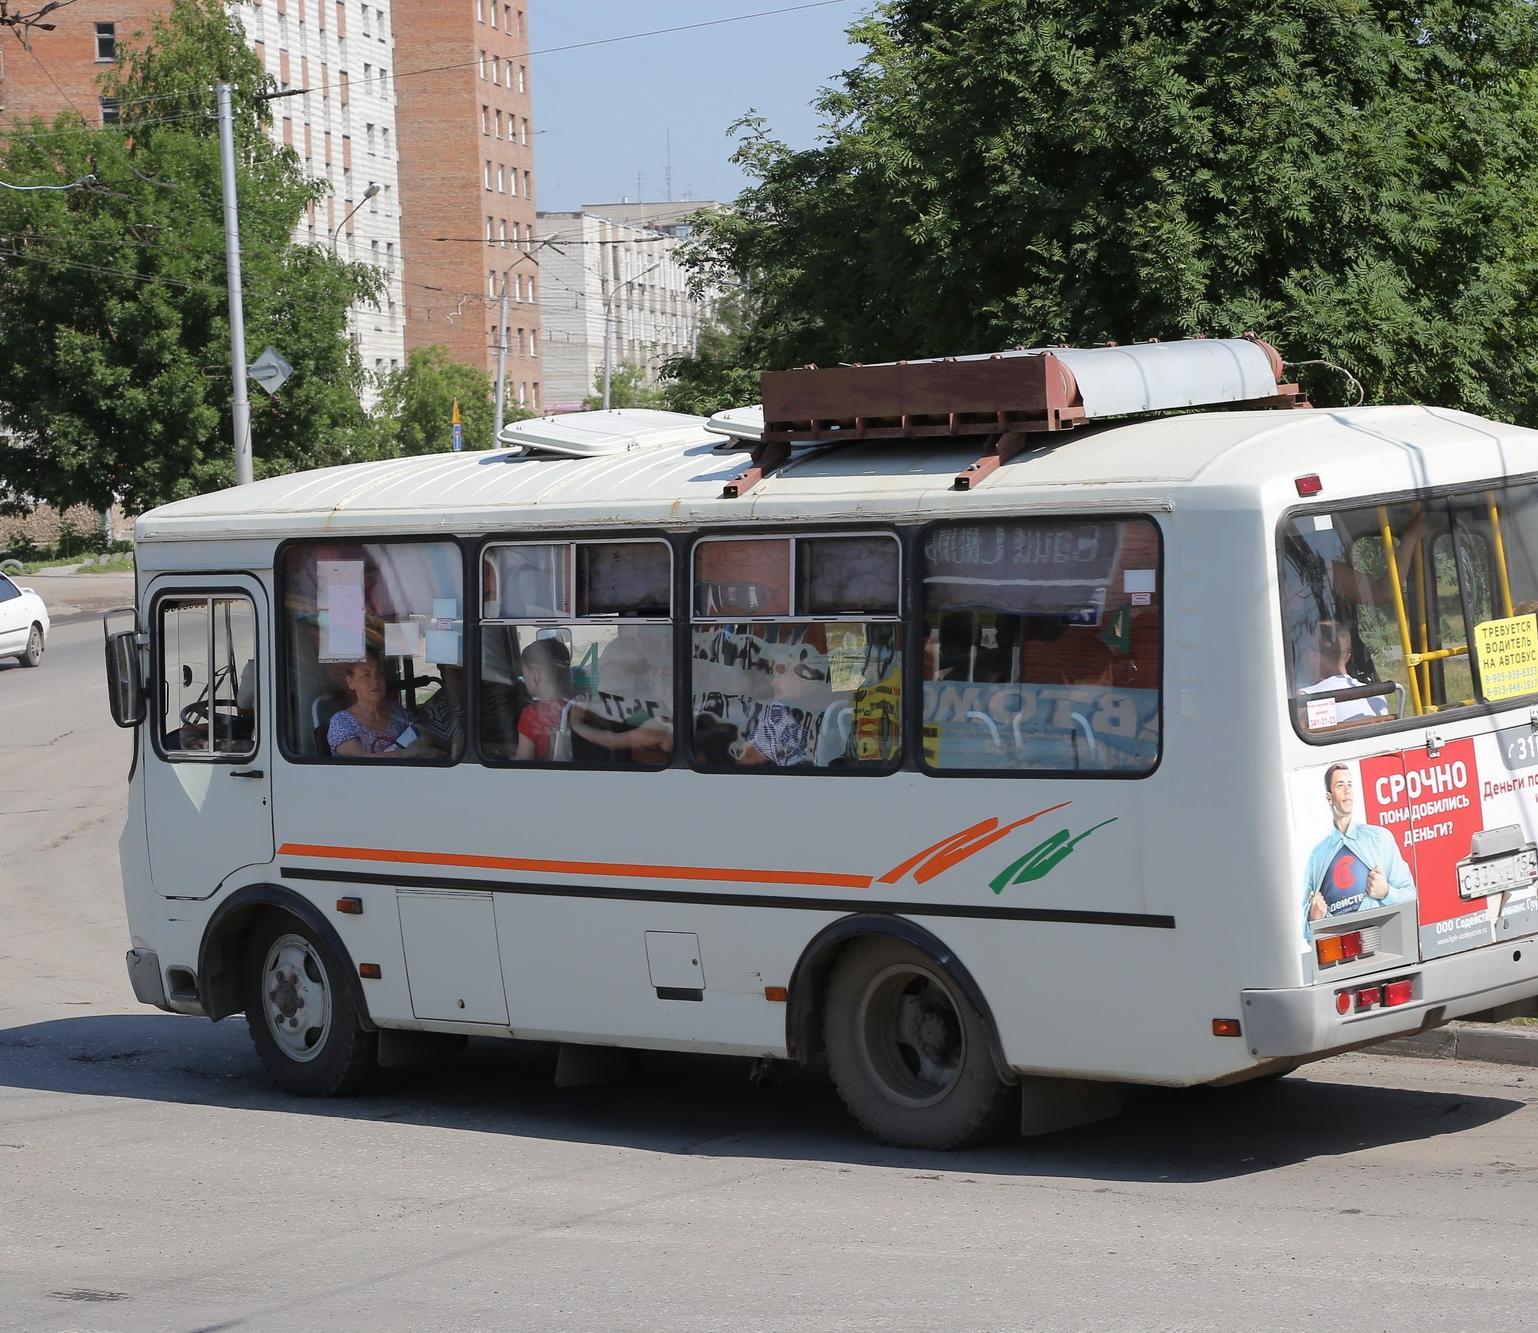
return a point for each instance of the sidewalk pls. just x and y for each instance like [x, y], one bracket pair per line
[74, 597]
[1494, 1043]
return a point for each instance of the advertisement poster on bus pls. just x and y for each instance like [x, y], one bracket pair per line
[1454, 833]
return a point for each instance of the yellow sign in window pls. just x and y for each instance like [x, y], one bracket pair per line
[1508, 656]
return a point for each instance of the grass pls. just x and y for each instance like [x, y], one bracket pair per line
[106, 564]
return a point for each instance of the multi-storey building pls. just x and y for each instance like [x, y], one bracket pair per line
[614, 268]
[337, 56]
[467, 187]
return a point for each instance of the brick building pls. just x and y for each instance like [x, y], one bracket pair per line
[343, 128]
[467, 185]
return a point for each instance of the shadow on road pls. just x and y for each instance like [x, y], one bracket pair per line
[703, 1104]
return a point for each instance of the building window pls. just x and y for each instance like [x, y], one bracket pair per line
[491, 282]
[523, 130]
[488, 229]
[520, 342]
[496, 70]
[480, 11]
[485, 120]
[531, 287]
[501, 179]
[368, 136]
[493, 16]
[106, 41]
[486, 175]
[109, 111]
[518, 287]
[523, 79]
[501, 232]
[482, 63]
[499, 124]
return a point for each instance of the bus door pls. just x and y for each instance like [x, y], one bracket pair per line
[208, 768]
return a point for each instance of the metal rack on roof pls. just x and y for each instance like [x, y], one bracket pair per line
[1009, 397]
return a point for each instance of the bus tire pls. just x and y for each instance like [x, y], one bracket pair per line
[301, 1014]
[908, 1053]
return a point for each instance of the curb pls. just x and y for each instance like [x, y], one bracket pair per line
[1490, 1042]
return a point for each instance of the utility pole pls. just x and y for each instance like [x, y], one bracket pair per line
[242, 405]
[496, 435]
[608, 328]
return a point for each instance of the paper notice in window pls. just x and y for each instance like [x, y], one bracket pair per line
[1321, 713]
[340, 586]
[846, 657]
[1508, 656]
[403, 638]
[1138, 581]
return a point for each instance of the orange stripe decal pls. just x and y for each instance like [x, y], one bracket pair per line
[615, 869]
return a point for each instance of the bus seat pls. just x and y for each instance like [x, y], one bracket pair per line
[322, 710]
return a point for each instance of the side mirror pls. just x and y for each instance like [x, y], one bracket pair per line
[125, 690]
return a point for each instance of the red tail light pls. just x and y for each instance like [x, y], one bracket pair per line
[1398, 992]
[1368, 997]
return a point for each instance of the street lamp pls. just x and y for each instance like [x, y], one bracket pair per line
[373, 189]
[608, 327]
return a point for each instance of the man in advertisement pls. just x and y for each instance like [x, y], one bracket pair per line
[1356, 867]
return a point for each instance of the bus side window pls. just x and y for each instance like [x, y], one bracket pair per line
[207, 693]
[797, 653]
[1041, 649]
[373, 659]
[577, 653]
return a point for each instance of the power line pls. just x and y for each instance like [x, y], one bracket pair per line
[22, 189]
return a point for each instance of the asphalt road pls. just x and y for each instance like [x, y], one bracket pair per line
[150, 1179]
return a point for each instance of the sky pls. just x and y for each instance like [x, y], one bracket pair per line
[604, 115]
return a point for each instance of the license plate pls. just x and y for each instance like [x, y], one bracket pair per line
[1499, 874]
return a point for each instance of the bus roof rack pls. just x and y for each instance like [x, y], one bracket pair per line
[1009, 396]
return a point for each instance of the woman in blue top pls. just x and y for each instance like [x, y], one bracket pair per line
[372, 726]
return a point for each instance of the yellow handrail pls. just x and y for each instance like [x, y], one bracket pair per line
[1420, 569]
[1500, 553]
[1399, 610]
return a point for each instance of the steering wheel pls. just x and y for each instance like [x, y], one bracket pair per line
[195, 714]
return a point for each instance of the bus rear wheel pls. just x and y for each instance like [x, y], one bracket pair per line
[908, 1053]
[301, 1014]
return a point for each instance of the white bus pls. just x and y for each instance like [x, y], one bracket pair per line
[997, 771]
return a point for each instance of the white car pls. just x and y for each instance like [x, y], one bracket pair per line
[23, 623]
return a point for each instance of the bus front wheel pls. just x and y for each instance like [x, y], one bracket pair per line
[302, 1017]
[908, 1053]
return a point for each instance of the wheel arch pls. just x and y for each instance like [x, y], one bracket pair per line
[223, 946]
[809, 980]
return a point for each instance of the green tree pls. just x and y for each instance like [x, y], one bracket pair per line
[716, 375]
[1353, 179]
[627, 388]
[114, 329]
[416, 403]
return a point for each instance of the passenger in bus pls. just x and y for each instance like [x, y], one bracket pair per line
[783, 735]
[373, 725]
[546, 727]
[1332, 653]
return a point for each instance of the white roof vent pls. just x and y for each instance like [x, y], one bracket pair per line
[742, 426]
[601, 434]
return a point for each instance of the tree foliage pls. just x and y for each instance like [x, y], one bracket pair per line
[1353, 179]
[416, 404]
[628, 387]
[114, 328]
[715, 376]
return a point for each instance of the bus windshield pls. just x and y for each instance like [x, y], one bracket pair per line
[1395, 611]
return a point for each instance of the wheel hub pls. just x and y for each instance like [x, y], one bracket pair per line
[298, 1008]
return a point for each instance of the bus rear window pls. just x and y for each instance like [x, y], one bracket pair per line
[1041, 648]
[1404, 610]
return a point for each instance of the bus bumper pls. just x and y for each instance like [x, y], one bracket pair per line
[1304, 1021]
[144, 974]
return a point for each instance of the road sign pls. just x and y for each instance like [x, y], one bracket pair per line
[459, 430]
[270, 371]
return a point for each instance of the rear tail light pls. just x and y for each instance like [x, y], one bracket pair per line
[1369, 997]
[1332, 949]
[1398, 992]
[1384, 995]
